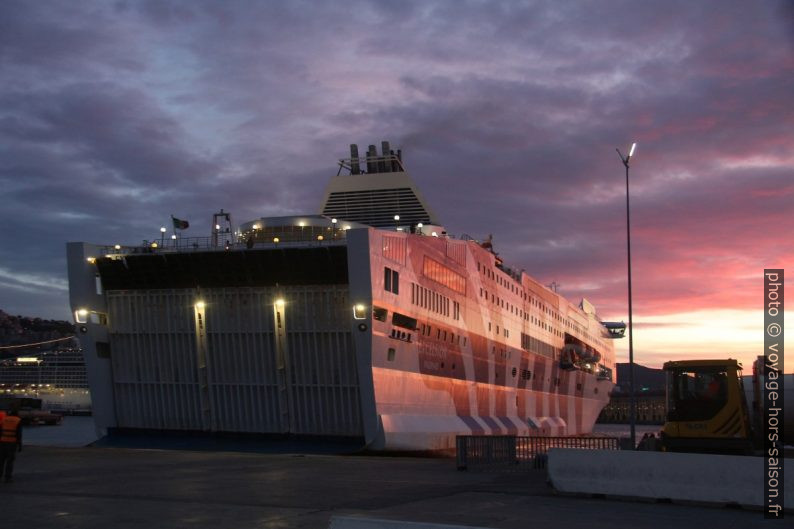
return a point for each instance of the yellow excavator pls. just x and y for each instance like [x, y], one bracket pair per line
[706, 408]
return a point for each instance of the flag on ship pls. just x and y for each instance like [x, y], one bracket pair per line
[180, 224]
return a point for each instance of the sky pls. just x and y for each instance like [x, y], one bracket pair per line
[116, 115]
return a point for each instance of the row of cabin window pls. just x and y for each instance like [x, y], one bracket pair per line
[526, 316]
[501, 302]
[426, 330]
[505, 331]
[532, 344]
[431, 300]
[381, 314]
[495, 299]
[489, 273]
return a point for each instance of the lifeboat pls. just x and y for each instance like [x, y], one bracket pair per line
[570, 356]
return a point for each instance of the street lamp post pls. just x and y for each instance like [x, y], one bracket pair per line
[632, 397]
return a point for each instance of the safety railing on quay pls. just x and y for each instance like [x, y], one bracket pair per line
[509, 453]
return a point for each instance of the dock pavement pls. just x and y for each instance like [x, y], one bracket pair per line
[86, 487]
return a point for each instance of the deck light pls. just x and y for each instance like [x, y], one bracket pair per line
[280, 302]
[154, 245]
[276, 239]
[91, 260]
[255, 226]
[162, 229]
[173, 237]
[117, 247]
[359, 311]
[200, 305]
[81, 315]
[217, 227]
[319, 237]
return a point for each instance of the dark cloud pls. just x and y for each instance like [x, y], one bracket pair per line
[115, 115]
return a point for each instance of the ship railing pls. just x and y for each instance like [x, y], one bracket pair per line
[371, 164]
[204, 244]
[510, 453]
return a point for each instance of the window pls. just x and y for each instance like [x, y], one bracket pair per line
[379, 313]
[401, 320]
[390, 354]
[391, 280]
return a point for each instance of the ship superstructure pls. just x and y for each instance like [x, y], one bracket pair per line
[365, 321]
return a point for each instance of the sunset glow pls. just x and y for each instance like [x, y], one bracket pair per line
[118, 115]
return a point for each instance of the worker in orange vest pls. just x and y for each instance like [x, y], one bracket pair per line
[10, 443]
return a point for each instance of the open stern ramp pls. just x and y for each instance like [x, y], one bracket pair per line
[237, 359]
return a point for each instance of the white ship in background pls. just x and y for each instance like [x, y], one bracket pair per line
[56, 376]
[366, 321]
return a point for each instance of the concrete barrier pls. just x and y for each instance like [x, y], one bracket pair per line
[662, 475]
[357, 522]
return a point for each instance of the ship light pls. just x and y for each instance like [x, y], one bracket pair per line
[162, 229]
[347, 227]
[154, 245]
[276, 239]
[217, 227]
[27, 360]
[280, 302]
[301, 224]
[633, 146]
[359, 311]
[255, 226]
[319, 237]
[117, 247]
[200, 305]
[396, 217]
[434, 234]
[81, 315]
[173, 237]
[91, 260]
[420, 225]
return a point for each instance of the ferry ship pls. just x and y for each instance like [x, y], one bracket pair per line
[366, 320]
[57, 377]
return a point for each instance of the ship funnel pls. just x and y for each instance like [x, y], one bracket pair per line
[375, 196]
[354, 166]
[372, 164]
[385, 164]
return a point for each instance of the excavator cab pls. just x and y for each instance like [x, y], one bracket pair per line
[706, 409]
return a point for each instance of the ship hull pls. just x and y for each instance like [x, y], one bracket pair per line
[269, 340]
